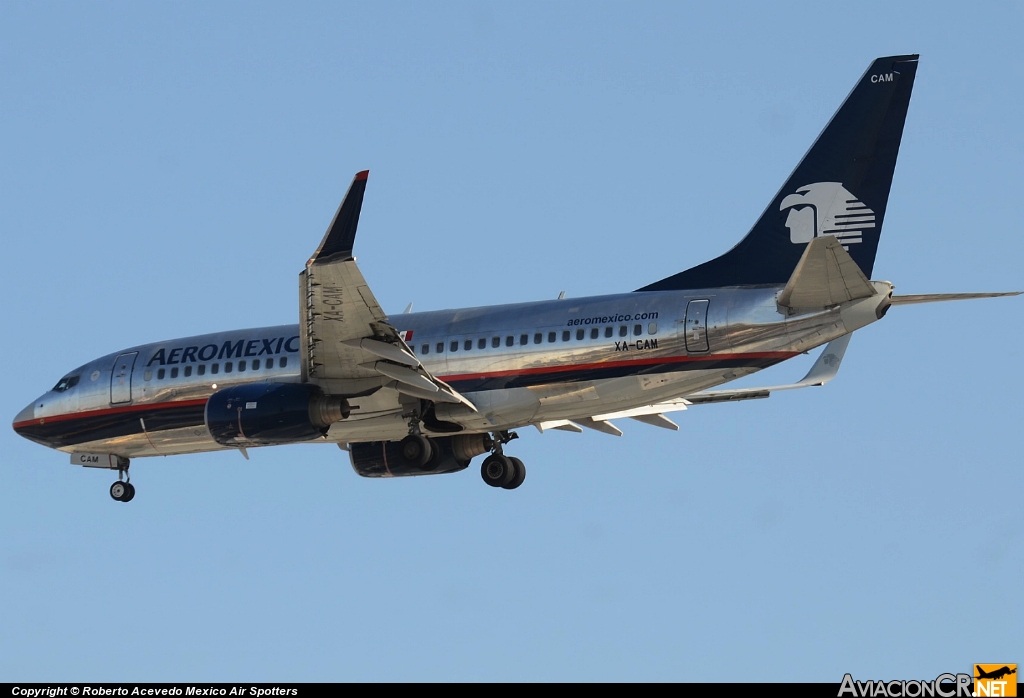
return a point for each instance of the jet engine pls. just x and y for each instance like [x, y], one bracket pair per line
[264, 414]
[450, 454]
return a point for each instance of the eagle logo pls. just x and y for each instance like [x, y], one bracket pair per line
[826, 208]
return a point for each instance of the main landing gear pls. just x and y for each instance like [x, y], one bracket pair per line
[123, 491]
[418, 451]
[499, 470]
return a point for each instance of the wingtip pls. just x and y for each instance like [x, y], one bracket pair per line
[362, 175]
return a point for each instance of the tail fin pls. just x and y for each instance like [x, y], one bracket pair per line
[840, 188]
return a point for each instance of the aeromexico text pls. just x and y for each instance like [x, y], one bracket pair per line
[228, 350]
[609, 319]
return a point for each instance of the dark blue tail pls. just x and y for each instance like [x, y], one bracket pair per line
[840, 188]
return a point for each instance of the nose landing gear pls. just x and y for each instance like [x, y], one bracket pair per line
[123, 491]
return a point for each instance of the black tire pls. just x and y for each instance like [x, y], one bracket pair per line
[416, 450]
[518, 476]
[130, 494]
[497, 470]
[119, 490]
[435, 458]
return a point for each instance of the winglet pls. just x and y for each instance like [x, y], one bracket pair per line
[823, 370]
[827, 365]
[341, 234]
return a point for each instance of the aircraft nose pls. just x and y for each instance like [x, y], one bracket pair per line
[34, 428]
[24, 417]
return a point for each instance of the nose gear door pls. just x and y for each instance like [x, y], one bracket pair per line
[697, 326]
[121, 378]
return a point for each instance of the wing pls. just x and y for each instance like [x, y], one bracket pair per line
[348, 346]
[824, 369]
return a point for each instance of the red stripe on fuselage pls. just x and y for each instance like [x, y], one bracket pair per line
[112, 410]
[455, 377]
[616, 364]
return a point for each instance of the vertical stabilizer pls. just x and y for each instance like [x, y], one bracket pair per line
[840, 189]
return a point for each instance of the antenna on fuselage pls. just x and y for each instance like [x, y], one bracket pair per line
[561, 295]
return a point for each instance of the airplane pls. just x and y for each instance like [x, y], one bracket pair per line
[426, 393]
[995, 674]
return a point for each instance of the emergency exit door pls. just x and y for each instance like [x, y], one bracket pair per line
[121, 378]
[697, 326]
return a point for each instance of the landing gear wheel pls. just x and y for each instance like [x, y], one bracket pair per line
[130, 494]
[119, 490]
[497, 470]
[518, 477]
[416, 450]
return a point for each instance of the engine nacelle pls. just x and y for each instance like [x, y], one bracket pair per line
[264, 414]
[384, 458]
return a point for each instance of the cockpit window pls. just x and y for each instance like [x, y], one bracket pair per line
[65, 383]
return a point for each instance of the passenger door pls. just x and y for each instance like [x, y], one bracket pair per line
[697, 326]
[121, 378]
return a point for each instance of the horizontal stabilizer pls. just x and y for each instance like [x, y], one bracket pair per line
[941, 297]
[825, 275]
[823, 370]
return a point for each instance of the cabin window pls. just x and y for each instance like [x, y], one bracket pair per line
[228, 366]
[270, 362]
[241, 365]
[552, 336]
[174, 372]
[593, 333]
[147, 375]
[160, 374]
[214, 368]
[652, 328]
[537, 337]
[638, 330]
[580, 334]
[510, 341]
[623, 331]
[565, 335]
[495, 342]
[468, 344]
[188, 370]
[439, 348]
[481, 343]
[454, 346]
[425, 349]
[201, 370]
[283, 362]
[255, 365]
[608, 331]
[524, 339]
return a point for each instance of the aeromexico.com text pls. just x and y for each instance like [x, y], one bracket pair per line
[943, 686]
[608, 319]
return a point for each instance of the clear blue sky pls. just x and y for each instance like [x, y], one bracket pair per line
[167, 168]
